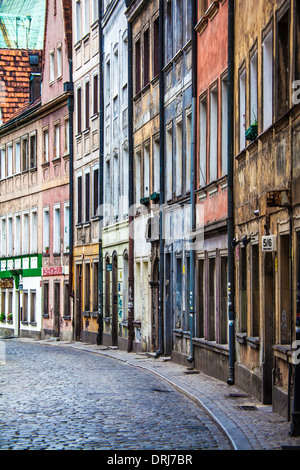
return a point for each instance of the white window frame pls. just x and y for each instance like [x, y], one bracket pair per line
[10, 159]
[56, 227]
[33, 230]
[18, 234]
[17, 156]
[9, 242]
[46, 228]
[25, 233]
[66, 226]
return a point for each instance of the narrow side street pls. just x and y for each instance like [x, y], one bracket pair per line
[63, 398]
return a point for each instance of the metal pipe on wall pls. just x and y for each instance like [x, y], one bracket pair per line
[192, 181]
[100, 176]
[230, 228]
[160, 350]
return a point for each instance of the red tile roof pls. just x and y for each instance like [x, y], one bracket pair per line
[15, 71]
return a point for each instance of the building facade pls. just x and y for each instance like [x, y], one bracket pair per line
[211, 338]
[177, 164]
[86, 168]
[266, 197]
[144, 18]
[54, 161]
[115, 234]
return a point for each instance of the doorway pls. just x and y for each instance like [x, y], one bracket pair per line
[168, 306]
[154, 285]
[114, 321]
[268, 329]
[56, 319]
[78, 305]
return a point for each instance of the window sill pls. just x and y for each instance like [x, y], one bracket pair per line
[56, 254]
[45, 315]
[56, 160]
[67, 317]
[106, 319]
[86, 313]
[211, 345]
[45, 164]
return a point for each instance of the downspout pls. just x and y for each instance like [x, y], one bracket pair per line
[230, 230]
[192, 180]
[69, 87]
[100, 206]
[160, 350]
[130, 196]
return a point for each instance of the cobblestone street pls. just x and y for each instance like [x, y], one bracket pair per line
[59, 398]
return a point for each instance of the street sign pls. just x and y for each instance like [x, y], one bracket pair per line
[269, 243]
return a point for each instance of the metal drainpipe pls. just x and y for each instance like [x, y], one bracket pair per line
[192, 180]
[71, 233]
[101, 143]
[130, 196]
[160, 350]
[231, 260]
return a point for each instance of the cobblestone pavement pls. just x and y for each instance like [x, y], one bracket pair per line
[158, 419]
[65, 398]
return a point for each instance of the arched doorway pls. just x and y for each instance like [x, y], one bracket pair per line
[114, 320]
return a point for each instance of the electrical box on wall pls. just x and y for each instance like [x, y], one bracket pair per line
[269, 243]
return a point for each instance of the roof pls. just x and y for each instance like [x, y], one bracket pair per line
[22, 24]
[15, 71]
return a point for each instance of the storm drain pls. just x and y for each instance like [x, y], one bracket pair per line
[247, 407]
[161, 390]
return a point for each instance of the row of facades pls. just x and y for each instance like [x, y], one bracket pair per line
[150, 193]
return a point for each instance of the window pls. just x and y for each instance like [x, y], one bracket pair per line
[78, 20]
[95, 285]
[107, 79]
[284, 290]
[17, 238]
[34, 232]
[178, 25]
[67, 127]
[79, 128]
[255, 290]
[116, 185]
[146, 58]
[66, 300]
[224, 125]
[46, 230]
[178, 294]
[95, 190]
[87, 196]
[242, 118]
[125, 182]
[137, 66]
[86, 16]
[107, 188]
[116, 71]
[79, 199]
[17, 156]
[3, 163]
[203, 140]
[223, 323]
[95, 10]
[203, 6]
[213, 131]
[253, 89]
[156, 48]
[211, 320]
[169, 163]
[66, 227]
[32, 306]
[156, 165]
[25, 233]
[87, 104]
[169, 31]
[268, 81]
[9, 236]
[178, 157]
[33, 150]
[137, 177]
[107, 287]
[24, 153]
[87, 287]
[58, 62]
[146, 170]
[46, 145]
[9, 159]
[125, 286]
[56, 141]
[283, 66]
[24, 315]
[188, 136]
[56, 229]
[51, 77]
[243, 289]
[3, 236]
[95, 94]
[45, 298]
